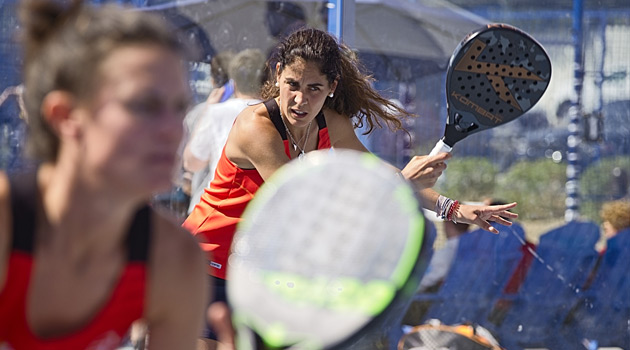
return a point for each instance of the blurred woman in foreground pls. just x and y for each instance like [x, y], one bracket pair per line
[82, 255]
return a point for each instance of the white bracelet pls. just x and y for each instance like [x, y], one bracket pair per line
[442, 206]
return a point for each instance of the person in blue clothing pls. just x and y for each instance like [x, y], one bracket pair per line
[615, 217]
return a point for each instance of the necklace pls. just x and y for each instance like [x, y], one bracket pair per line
[296, 144]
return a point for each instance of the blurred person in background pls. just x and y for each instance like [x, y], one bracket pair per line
[178, 198]
[203, 150]
[615, 217]
[222, 87]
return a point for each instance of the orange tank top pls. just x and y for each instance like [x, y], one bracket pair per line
[214, 219]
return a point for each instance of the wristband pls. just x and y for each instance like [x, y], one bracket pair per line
[443, 207]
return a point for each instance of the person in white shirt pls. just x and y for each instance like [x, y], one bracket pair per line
[210, 132]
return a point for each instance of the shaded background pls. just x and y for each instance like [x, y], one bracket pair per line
[406, 45]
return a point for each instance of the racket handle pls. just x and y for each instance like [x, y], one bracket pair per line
[440, 147]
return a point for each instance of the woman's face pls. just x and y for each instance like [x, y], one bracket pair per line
[134, 126]
[303, 91]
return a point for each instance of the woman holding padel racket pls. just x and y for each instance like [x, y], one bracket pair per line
[315, 92]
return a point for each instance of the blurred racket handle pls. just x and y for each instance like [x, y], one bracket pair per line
[440, 147]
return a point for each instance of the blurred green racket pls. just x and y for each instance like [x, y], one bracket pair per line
[329, 249]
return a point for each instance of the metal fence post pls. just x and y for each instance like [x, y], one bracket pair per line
[575, 111]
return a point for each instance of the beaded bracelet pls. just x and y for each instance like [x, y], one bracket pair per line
[452, 211]
[455, 213]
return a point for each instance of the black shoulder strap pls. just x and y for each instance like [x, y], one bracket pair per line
[139, 236]
[274, 114]
[24, 198]
[321, 120]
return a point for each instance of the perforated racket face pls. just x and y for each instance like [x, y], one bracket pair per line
[325, 247]
[494, 77]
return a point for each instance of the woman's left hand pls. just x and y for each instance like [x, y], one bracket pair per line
[482, 215]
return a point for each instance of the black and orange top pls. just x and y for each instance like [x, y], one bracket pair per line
[215, 217]
[110, 324]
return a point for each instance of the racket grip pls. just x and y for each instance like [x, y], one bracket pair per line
[440, 147]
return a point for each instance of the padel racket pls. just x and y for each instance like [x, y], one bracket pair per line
[495, 75]
[329, 250]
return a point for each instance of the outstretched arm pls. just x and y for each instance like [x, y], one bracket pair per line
[480, 215]
[423, 172]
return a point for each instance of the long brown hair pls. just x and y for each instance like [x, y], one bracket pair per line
[65, 42]
[354, 96]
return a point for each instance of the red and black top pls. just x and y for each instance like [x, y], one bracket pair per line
[110, 324]
[215, 218]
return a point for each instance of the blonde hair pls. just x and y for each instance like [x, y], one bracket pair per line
[617, 213]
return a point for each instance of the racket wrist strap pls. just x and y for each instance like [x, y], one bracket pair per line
[443, 206]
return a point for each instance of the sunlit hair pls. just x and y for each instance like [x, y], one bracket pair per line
[247, 69]
[64, 44]
[617, 213]
[354, 96]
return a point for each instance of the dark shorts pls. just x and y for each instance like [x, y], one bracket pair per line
[217, 293]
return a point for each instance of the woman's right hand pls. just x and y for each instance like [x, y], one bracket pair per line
[423, 171]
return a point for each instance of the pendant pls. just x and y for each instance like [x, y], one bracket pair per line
[294, 147]
[300, 155]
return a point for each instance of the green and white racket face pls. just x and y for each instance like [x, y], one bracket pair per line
[324, 248]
